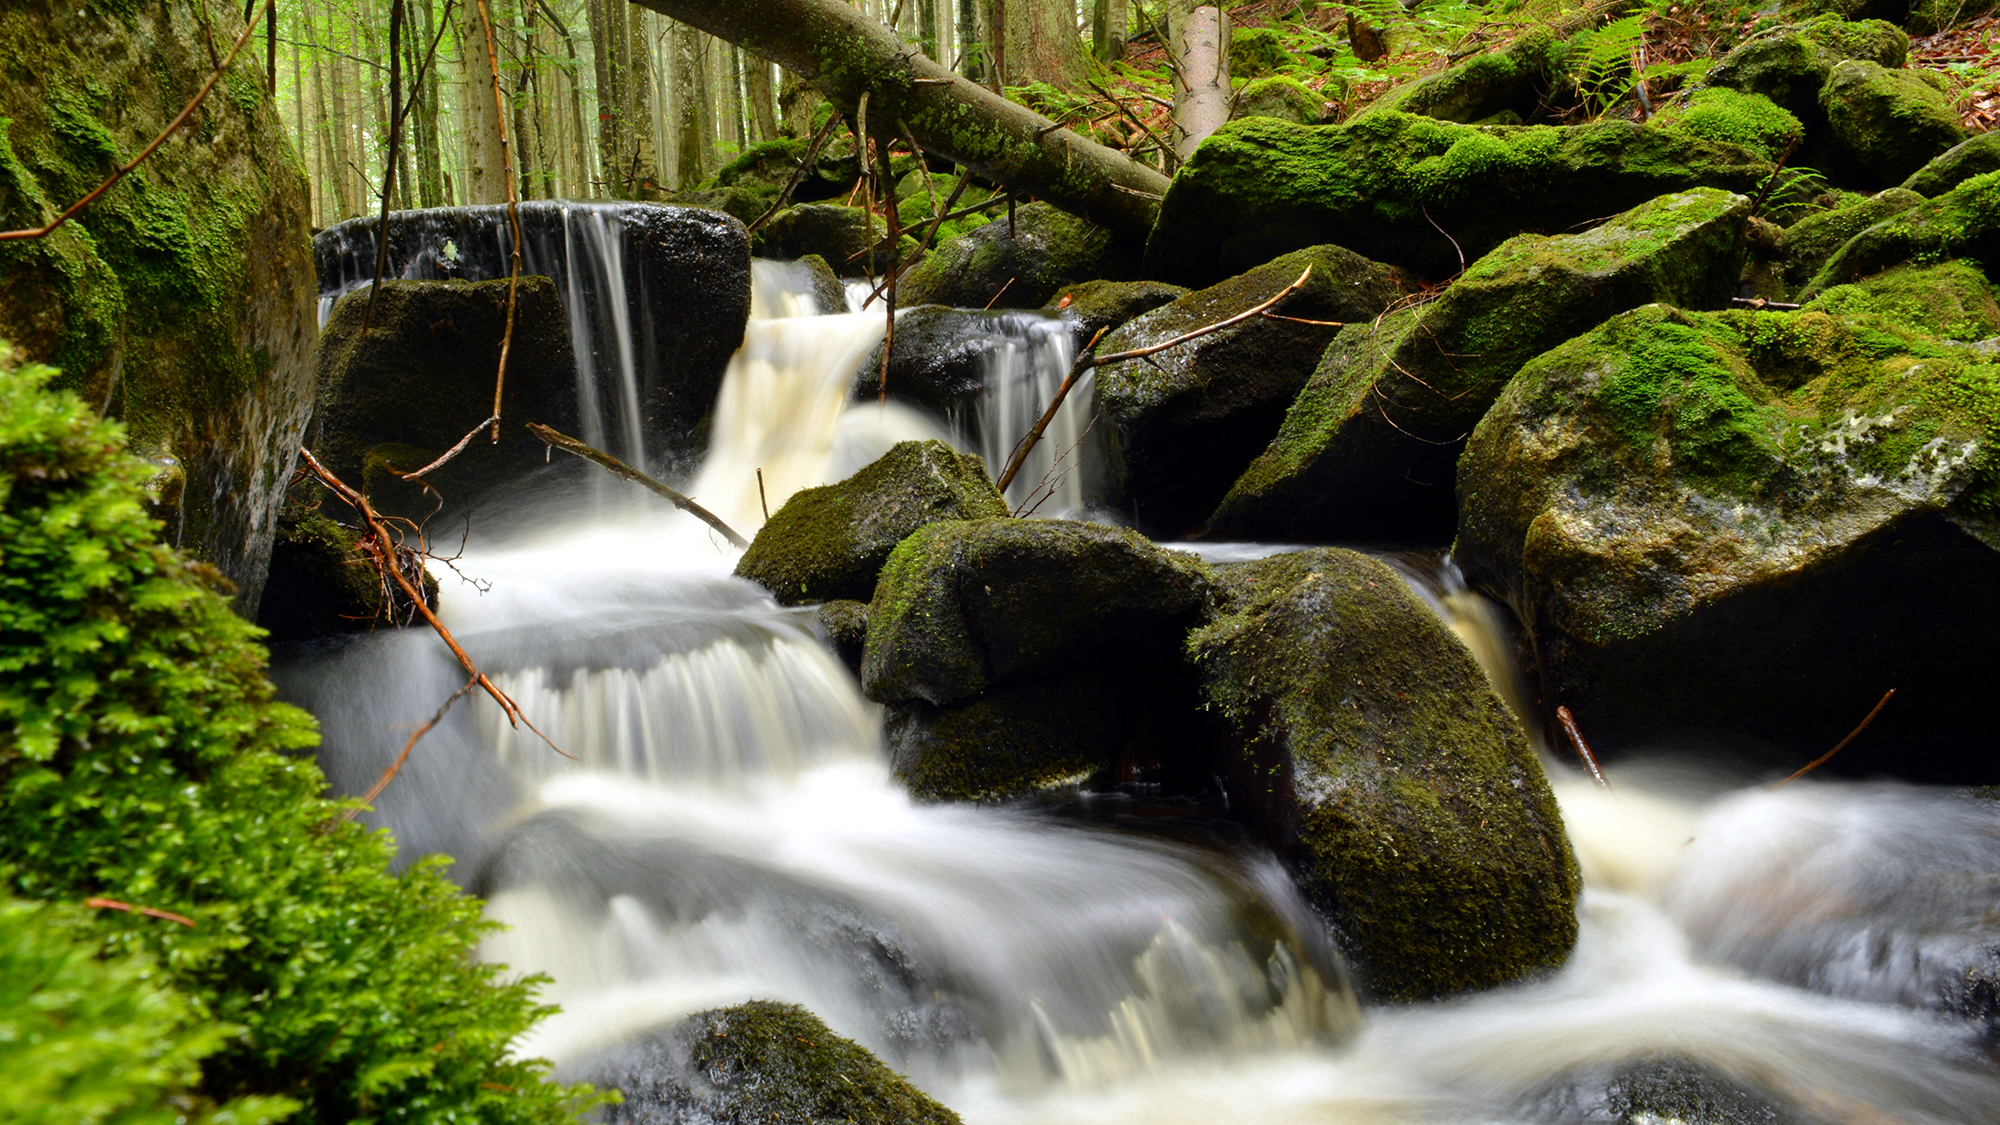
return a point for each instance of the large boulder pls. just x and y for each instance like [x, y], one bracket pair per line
[1389, 774]
[829, 543]
[1752, 524]
[1789, 64]
[1368, 448]
[1951, 302]
[1961, 162]
[1104, 305]
[1514, 80]
[835, 232]
[941, 355]
[1185, 422]
[181, 301]
[1892, 122]
[393, 399]
[1017, 655]
[1723, 116]
[322, 583]
[1962, 223]
[1808, 243]
[1018, 263]
[755, 1063]
[1413, 190]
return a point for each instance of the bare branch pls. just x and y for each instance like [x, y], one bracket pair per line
[619, 468]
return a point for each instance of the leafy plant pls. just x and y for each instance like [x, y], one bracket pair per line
[1603, 64]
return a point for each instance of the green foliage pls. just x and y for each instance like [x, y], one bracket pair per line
[1603, 63]
[143, 759]
[1731, 117]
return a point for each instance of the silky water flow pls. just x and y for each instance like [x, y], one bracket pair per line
[712, 820]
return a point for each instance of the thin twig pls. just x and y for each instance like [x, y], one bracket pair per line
[513, 213]
[1447, 238]
[619, 468]
[396, 766]
[930, 235]
[1083, 363]
[1757, 204]
[799, 175]
[1172, 159]
[1246, 314]
[114, 904]
[1761, 303]
[1568, 722]
[1823, 758]
[762, 501]
[1003, 288]
[249, 26]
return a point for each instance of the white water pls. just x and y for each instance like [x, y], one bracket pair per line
[729, 831]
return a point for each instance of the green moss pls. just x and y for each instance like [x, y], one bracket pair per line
[1928, 17]
[1950, 302]
[1812, 240]
[1677, 382]
[1891, 121]
[1975, 157]
[1256, 51]
[1962, 223]
[1279, 96]
[1506, 81]
[1726, 116]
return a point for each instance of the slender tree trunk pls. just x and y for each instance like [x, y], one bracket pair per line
[999, 72]
[972, 37]
[763, 107]
[728, 100]
[605, 46]
[343, 178]
[424, 114]
[1109, 22]
[485, 163]
[1201, 83]
[689, 91]
[642, 166]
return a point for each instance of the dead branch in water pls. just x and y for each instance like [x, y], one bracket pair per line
[396, 767]
[1824, 758]
[619, 468]
[1087, 359]
[1568, 722]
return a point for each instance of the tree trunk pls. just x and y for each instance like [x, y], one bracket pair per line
[1043, 44]
[690, 97]
[972, 56]
[844, 52]
[641, 167]
[1201, 84]
[485, 163]
[996, 24]
[763, 107]
[1109, 22]
[604, 14]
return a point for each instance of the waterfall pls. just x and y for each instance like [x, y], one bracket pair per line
[1026, 360]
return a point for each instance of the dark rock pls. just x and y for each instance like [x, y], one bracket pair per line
[1962, 223]
[740, 203]
[1039, 252]
[828, 293]
[835, 232]
[1751, 523]
[1388, 773]
[1104, 305]
[829, 543]
[1513, 80]
[845, 624]
[393, 400]
[1658, 1089]
[180, 302]
[1184, 425]
[756, 1063]
[1809, 242]
[1284, 98]
[1368, 449]
[1892, 122]
[940, 358]
[1385, 184]
[321, 584]
[1959, 163]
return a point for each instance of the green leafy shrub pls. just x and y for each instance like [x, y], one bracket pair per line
[143, 759]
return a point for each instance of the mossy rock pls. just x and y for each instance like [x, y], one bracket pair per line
[844, 624]
[1386, 184]
[322, 584]
[1282, 97]
[1809, 242]
[1961, 162]
[745, 204]
[1752, 524]
[1950, 302]
[1096, 306]
[1038, 252]
[1255, 52]
[1789, 64]
[395, 398]
[838, 234]
[1515, 79]
[1725, 116]
[1390, 776]
[1892, 122]
[941, 356]
[1367, 450]
[829, 543]
[1184, 424]
[829, 295]
[1962, 223]
[181, 301]
[754, 1064]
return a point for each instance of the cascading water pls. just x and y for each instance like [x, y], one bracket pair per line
[1026, 361]
[725, 828]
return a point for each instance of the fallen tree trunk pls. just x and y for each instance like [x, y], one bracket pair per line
[844, 53]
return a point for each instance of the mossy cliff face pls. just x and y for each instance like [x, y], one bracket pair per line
[1755, 523]
[1038, 252]
[181, 302]
[1389, 774]
[1367, 449]
[1259, 188]
[1185, 422]
[1892, 122]
[830, 543]
[1962, 223]
[757, 1063]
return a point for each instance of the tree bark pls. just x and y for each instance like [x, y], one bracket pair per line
[1109, 22]
[690, 94]
[1201, 83]
[843, 52]
[641, 168]
[763, 106]
[1043, 44]
[485, 165]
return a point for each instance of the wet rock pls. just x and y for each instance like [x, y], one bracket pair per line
[1388, 773]
[756, 1063]
[321, 583]
[1962, 223]
[1367, 451]
[1812, 240]
[1039, 252]
[829, 543]
[845, 625]
[393, 400]
[1892, 122]
[1659, 1089]
[1386, 184]
[1185, 424]
[1752, 524]
[1958, 164]
[179, 303]
[835, 232]
[1104, 305]
[1022, 654]
[828, 293]
[940, 358]
[1513, 80]
[1286, 99]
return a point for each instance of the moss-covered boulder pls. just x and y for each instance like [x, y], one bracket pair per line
[1415, 191]
[1368, 448]
[844, 624]
[1515, 79]
[181, 301]
[1725, 116]
[829, 295]
[1789, 64]
[1038, 252]
[1017, 655]
[1961, 162]
[1103, 305]
[835, 232]
[1256, 51]
[1962, 223]
[1388, 773]
[829, 543]
[1808, 243]
[1892, 122]
[754, 1064]
[1951, 302]
[1282, 97]
[322, 583]
[1752, 523]
[393, 399]
[1184, 423]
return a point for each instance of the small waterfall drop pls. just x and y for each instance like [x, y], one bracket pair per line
[1029, 356]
